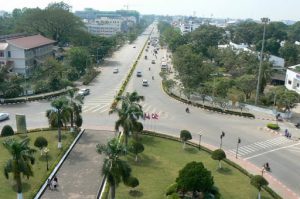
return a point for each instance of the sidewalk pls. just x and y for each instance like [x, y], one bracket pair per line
[80, 175]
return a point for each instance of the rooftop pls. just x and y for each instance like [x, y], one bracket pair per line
[30, 41]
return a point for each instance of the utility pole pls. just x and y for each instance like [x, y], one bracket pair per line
[265, 21]
[200, 141]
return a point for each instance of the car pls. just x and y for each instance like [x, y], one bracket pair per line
[153, 62]
[134, 46]
[4, 116]
[84, 91]
[139, 74]
[116, 70]
[145, 82]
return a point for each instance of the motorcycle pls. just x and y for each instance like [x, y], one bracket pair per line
[187, 110]
[297, 125]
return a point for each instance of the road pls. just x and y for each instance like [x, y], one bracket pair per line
[257, 145]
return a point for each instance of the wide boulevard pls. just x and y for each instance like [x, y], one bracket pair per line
[257, 146]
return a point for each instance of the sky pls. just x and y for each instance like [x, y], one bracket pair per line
[236, 9]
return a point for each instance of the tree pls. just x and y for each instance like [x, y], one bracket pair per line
[286, 99]
[55, 21]
[169, 84]
[75, 102]
[258, 182]
[7, 130]
[185, 135]
[59, 114]
[40, 142]
[129, 113]
[235, 95]
[219, 155]
[115, 169]
[79, 58]
[136, 148]
[290, 53]
[246, 85]
[190, 66]
[20, 162]
[194, 177]
[205, 37]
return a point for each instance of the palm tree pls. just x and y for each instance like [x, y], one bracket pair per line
[74, 102]
[129, 113]
[20, 163]
[59, 114]
[115, 169]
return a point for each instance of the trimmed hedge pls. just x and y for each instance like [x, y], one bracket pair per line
[210, 108]
[273, 126]
[238, 167]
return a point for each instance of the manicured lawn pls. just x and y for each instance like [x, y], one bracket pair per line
[162, 159]
[31, 185]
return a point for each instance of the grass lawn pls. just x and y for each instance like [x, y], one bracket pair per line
[160, 162]
[31, 185]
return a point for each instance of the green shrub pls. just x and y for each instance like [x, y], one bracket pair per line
[171, 189]
[7, 131]
[132, 182]
[40, 142]
[273, 126]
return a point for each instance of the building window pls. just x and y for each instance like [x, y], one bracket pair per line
[1, 53]
[297, 84]
[289, 82]
[8, 54]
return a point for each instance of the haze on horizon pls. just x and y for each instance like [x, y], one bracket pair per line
[242, 9]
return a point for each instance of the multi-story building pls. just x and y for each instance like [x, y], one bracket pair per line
[105, 26]
[22, 54]
[292, 78]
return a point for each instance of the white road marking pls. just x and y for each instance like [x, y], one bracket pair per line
[260, 154]
[100, 108]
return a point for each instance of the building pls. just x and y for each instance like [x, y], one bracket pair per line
[22, 54]
[292, 78]
[105, 26]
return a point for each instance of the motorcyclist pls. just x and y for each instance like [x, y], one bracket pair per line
[187, 110]
[152, 77]
[149, 68]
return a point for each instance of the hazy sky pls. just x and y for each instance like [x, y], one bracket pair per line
[274, 9]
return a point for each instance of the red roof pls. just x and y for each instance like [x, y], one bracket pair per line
[30, 41]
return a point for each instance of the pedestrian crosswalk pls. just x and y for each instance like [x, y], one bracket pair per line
[149, 109]
[261, 146]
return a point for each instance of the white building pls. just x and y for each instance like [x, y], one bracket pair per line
[24, 53]
[105, 26]
[292, 78]
[188, 27]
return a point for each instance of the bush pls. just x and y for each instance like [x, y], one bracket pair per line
[7, 131]
[132, 182]
[40, 142]
[273, 126]
[171, 189]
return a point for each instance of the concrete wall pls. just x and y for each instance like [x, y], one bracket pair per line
[292, 80]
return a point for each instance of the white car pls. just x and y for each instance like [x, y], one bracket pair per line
[116, 70]
[4, 116]
[84, 91]
[145, 82]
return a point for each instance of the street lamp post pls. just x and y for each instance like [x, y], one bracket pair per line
[200, 141]
[46, 151]
[221, 138]
[264, 21]
[237, 147]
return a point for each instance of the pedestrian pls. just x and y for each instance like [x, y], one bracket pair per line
[49, 184]
[55, 179]
[54, 184]
[286, 132]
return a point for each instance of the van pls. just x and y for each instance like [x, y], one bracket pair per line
[164, 66]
